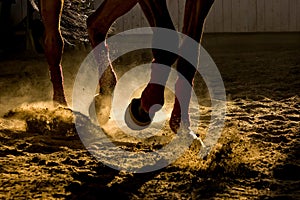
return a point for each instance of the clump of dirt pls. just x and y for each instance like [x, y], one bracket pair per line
[46, 120]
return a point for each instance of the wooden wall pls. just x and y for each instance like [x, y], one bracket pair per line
[254, 16]
[225, 15]
[230, 16]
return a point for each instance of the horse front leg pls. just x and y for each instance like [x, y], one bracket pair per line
[141, 111]
[194, 18]
[51, 15]
[98, 24]
[157, 14]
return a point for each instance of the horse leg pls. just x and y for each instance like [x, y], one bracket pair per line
[157, 14]
[194, 19]
[51, 14]
[98, 24]
[152, 98]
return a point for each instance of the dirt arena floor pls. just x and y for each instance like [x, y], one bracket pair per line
[256, 157]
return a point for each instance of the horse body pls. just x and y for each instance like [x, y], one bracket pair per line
[98, 24]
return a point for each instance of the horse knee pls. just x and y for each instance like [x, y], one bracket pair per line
[54, 41]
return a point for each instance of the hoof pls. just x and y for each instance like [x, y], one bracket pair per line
[135, 117]
[99, 109]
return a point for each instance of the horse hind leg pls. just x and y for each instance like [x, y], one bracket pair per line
[98, 24]
[51, 14]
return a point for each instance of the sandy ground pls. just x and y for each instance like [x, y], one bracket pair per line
[257, 155]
